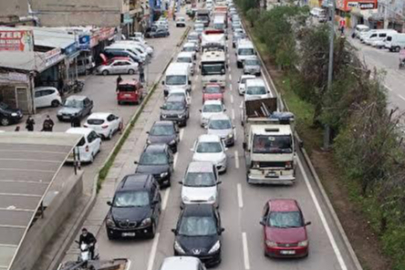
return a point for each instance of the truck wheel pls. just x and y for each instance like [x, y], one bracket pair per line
[131, 71]
[397, 49]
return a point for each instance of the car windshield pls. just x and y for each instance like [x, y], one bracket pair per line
[162, 130]
[188, 49]
[73, 103]
[4, 106]
[219, 124]
[209, 147]
[246, 51]
[184, 60]
[131, 199]
[219, 26]
[193, 37]
[285, 219]
[212, 90]
[199, 180]
[95, 121]
[251, 62]
[272, 144]
[153, 159]
[213, 68]
[210, 108]
[256, 90]
[173, 106]
[197, 226]
[176, 80]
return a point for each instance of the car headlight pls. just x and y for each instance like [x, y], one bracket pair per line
[303, 243]
[148, 141]
[230, 135]
[146, 222]
[172, 141]
[14, 114]
[164, 174]
[215, 247]
[178, 248]
[271, 243]
[110, 222]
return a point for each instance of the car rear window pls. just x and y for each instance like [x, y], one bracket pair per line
[95, 121]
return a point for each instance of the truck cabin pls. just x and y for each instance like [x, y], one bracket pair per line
[272, 140]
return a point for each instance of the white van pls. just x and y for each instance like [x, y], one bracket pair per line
[178, 75]
[132, 48]
[395, 42]
[360, 28]
[244, 50]
[256, 89]
[186, 57]
[88, 147]
[378, 35]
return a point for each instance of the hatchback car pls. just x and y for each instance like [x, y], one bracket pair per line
[104, 124]
[221, 125]
[158, 32]
[164, 132]
[198, 233]
[213, 91]
[256, 89]
[46, 96]
[75, 106]
[210, 108]
[118, 67]
[180, 92]
[87, 148]
[135, 208]
[175, 109]
[242, 81]
[157, 159]
[210, 148]
[252, 66]
[9, 115]
[284, 229]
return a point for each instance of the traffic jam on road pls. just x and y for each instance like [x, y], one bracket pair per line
[191, 191]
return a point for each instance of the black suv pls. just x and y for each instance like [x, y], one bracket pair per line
[175, 109]
[135, 209]
[8, 115]
[198, 233]
[157, 159]
[164, 132]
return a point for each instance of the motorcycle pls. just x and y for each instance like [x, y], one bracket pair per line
[85, 254]
[77, 86]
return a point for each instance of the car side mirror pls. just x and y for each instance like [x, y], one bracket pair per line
[163, 82]
[181, 182]
[308, 223]
[109, 203]
[135, 162]
[221, 230]
[174, 231]
[262, 223]
[219, 182]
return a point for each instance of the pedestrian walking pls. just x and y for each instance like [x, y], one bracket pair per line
[141, 73]
[75, 121]
[174, 15]
[29, 124]
[17, 129]
[342, 30]
[48, 124]
[119, 79]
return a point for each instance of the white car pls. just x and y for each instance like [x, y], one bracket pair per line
[256, 89]
[180, 92]
[222, 126]
[118, 67]
[88, 147]
[210, 108]
[190, 47]
[200, 184]
[378, 44]
[210, 148]
[187, 57]
[180, 22]
[46, 96]
[104, 124]
[242, 81]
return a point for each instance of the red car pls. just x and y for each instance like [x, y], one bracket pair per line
[213, 91]
[129, 91]
[284, 229]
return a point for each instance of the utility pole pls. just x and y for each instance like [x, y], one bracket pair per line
[332, 6]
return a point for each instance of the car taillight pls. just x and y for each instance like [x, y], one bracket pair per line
[288, 165]
[105, 126]
[85, 125]
[87, 148]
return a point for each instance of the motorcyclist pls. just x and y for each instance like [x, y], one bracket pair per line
[88, 238]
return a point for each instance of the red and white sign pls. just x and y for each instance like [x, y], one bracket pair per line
[16, 40]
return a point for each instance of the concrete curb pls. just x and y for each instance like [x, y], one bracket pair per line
[79, 222]
[312, 170]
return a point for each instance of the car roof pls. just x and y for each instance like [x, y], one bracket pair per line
[175, 99]
[200, 166]
[220, 116]
[178, 90]
[247, 77]
[185, 54]
[135, 181]
[180, 263]
[155, 148]
[81, 131]
[45, 88]
[209, 138]
[99, 115]
[271, 129]
[212, 102]
[283, 205]
[77, 97]
[255, 82]
[198, 210]
[164, 123]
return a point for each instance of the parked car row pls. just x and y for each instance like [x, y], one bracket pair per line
[380, 38]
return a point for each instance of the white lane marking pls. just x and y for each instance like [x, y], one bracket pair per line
[153, 252]
[240, 198]
[175, 159]
[181, 134]
[401, 97]
[165, 199]
[233, 114]
[323, 219]
[237, 160]
[245, 251]
[231, 99]
[230, 77]
[230, 87]
[388, 88]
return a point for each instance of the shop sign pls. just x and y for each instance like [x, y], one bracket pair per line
[52, 56]
[366, 5]
[352, 4]
[106, 33]
[17, 40]
[84, 42]
[13, 76]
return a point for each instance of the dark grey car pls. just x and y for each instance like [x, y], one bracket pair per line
[175, 109]
[75, 106]
[164, 132]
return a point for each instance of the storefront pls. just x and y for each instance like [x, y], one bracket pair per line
[15, 91]
[355, 11]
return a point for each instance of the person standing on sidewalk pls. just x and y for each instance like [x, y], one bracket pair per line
[119, 79]
[141, 73]
[29, 124]
[48, 124]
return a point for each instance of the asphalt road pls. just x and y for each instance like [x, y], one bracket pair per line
[240, 205]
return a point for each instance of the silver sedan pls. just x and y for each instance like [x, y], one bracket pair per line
[118, 67]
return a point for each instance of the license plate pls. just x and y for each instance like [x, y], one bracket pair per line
[66, 117]
[271, 174]
[287, 252]
[127, 95]
[128, 234]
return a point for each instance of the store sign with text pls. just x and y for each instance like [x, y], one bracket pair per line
[16, 40]
[52, 56]
[366, 5]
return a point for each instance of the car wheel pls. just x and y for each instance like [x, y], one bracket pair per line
[4, 121]
[152, 230]
[55, 103]
[397, 49]
[131, 71]
[105, 72]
